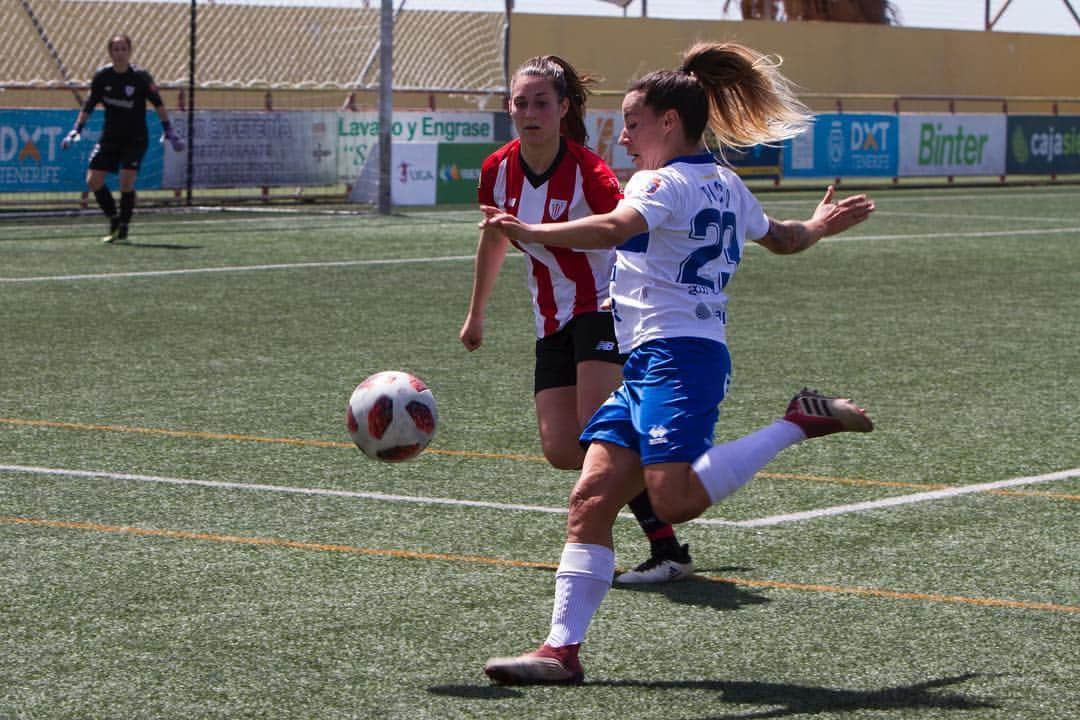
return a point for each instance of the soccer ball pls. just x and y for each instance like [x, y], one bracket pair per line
[391, 416]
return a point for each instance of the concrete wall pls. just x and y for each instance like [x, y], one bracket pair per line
[820, 57]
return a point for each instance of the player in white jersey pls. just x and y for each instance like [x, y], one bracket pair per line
[547, 175]
[679, 234]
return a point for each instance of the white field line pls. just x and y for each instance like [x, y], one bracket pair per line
[454, 217]
[758, 522]
[34, 470]
[239, 268]
[889, 196]
[908, 499]
[459, 258]
[954, 235]
[972, 216]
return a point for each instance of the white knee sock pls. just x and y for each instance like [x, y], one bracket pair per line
[581, 582]
[723, 469]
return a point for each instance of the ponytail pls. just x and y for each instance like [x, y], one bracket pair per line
[750, 101]
[737, 93]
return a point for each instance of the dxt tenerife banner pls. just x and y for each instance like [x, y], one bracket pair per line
[842, 145]
[31, 159]
[951, 144]
[1043, 144]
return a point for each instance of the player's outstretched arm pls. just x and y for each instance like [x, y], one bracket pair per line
[605, 230]
[829, 218]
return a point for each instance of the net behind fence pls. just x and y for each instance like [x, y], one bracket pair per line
[271, 44]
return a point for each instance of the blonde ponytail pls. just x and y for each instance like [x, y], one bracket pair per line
[749, 101]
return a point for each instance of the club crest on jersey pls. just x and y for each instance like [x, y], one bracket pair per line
[653, 184]
[129, 90]
[556, 208]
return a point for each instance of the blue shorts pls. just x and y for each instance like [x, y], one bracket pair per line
[667, 407]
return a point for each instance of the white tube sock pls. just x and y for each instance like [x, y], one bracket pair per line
[581, 582]
[723, 469]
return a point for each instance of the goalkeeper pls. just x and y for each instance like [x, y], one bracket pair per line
[123, 89]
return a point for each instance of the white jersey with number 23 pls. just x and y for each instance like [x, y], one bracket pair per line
[669, 282]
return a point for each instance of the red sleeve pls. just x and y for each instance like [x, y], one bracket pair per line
[489, 173]
[601, 187]
[485, 191]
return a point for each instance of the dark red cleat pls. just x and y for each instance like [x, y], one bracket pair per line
[818, 415]
[544, 666]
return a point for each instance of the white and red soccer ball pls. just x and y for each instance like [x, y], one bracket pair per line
[392, 416]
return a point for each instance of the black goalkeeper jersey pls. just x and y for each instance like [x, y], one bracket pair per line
[124, 96]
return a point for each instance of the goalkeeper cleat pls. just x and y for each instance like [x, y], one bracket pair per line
[544, 666]
[660, 570]
[114, 231]
[818, 414]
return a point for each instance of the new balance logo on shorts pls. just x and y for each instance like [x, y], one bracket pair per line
[605, 345]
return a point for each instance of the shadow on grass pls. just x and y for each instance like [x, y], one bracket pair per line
[791, 699]
[475, 692]
[157, 246]
[701, 591]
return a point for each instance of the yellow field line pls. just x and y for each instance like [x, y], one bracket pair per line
[195, 434]
[240, 438]
[482, 560]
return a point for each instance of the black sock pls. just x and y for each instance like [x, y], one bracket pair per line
[105, 201]
[127, 206]
[662, 540]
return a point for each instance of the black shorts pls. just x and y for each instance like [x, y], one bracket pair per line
[589, 336]
[112, 155]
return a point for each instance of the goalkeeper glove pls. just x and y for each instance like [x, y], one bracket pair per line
[172, 137]
[72, 137]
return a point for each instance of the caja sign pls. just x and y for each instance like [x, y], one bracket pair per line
[1042, 144]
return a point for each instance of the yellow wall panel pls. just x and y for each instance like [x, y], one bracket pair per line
[820, 57]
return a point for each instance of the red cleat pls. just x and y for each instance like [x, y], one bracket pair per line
[818, 415]
[544, 666]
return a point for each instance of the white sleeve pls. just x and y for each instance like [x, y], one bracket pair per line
[757, 222]
[654, 195]
[755, 219]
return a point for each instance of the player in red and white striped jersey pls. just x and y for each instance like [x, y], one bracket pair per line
[547, 175]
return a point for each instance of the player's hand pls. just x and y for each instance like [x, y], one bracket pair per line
[72, 137]
[472, 333]
[506, 223]
[175, 140]
[836, 217]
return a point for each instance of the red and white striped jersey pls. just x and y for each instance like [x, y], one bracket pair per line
[563, 282]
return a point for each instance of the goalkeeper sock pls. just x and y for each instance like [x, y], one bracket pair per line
[105, 201]
[127, 206]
